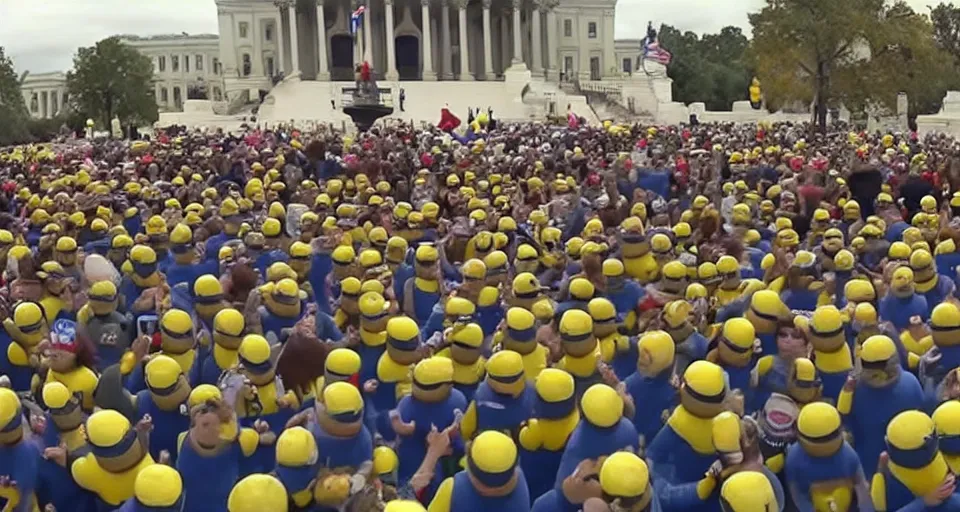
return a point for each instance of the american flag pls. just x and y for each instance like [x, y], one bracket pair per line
[355, 18]
[654, 52]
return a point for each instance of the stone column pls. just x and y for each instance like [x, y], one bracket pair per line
[294, 47]
[487, 45]
[279, 21]
[323, 71]
[505, 39]
[551, 41]
[446, 53]
[368, 34]
[389, 28]
[517, 49]
[425, 42]
[464, 45]
[583, 70]
[536, 45]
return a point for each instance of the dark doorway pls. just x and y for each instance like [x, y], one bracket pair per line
[408, 57]
[341, 58]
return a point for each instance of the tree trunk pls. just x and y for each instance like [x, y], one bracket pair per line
[823, 95]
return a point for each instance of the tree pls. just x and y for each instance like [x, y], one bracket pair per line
[13, 110]
[857, 52]
[710, 69]
[111, 79]
[946, 28]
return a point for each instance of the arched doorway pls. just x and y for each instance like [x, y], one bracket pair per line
[341, 58]
[408, 57]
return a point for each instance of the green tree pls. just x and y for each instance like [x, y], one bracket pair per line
[13, 110]
[710, 69]
[857, 52]
[946, 28]
[111, 79]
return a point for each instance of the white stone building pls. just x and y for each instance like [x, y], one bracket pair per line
[425, 40]
[179, 63]
[45, 94]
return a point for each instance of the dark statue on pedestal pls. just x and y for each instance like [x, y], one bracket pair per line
[366, 102]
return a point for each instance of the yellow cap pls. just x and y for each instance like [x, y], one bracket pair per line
[258, 493]
[602, 406]
[158, 485]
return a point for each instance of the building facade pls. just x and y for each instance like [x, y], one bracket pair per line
[45, 94]
[415, 39]
[181, 62]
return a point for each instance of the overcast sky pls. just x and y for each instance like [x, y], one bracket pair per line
[42, 35]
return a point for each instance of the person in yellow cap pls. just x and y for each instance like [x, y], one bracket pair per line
[491, 481]
[433, 401]
[683, 450]
[345, 444]
[157, 487]
[822, 469]
[543, 439]
[915, 472]
[602, 431]
[283, 306]
[20, 462]
[145, 276]
[503, 401]
[394, 377]
[64, 428]
[882, 391]
[118, 453]
[902, 305]
[297, 459]
[257, 493]
[651, 386]
[422, 291]
[185, 267]
[215, 451]
[230, 213]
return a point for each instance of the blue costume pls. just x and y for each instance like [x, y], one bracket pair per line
[589, 441]
[167, 425]
[873, 408]
[504, 413]
[208, 479]
[413, 448]
[651, 397]
[465, 497]
[677, 466]
[898, 311]
[338, 452]
[807, 474]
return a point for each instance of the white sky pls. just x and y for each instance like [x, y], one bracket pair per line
[42, 35]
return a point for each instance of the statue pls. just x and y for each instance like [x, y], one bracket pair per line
[652, 51]
[756, 97]
[365, 105]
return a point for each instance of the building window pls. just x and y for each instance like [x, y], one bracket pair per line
[186, 64]
[246, 64]
[199, 59]
[627, 65]
[164, 96]
[177, 97]
[244, 26]
[66, 100]
[268, 33]
[568, 63]
[34, 103]
[162, 63]
[216, 66]
[269, 66]
[175, 63]
[567, 28]
[592, 30]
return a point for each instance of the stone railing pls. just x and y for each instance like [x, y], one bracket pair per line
[602, 86]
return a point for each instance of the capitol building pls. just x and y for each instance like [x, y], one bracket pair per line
[292, 60]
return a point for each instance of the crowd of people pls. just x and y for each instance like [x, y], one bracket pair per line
[518, 317]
